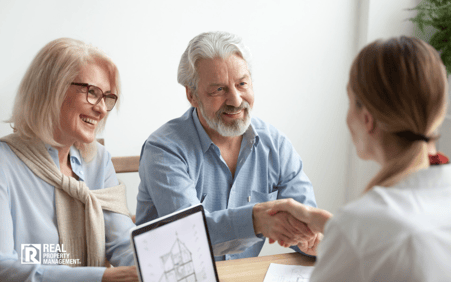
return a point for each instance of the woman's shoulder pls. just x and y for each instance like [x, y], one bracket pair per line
[372, 221]
[389, 225]
[364, 206]
[3, 145]
[381, 218]
[98, 172]
[102, 152]
[6, 155]
[91, 153]
[380, 202]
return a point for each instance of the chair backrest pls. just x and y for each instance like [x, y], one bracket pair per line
[126, 164]
[123, 164]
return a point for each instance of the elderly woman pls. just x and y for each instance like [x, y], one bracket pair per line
[400, 229]
[61, 205]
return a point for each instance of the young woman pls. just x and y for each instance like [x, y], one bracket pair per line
[400, 229]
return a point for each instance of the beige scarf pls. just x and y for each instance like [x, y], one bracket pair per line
[79, 213]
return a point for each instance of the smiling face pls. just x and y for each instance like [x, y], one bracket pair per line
[224, 95]
[78, 118]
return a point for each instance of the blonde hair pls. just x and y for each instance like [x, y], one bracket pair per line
[41, 93]
[402, 83]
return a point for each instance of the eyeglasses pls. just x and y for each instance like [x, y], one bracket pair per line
[94, 94]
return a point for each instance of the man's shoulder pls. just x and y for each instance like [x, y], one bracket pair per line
[178, 135]
[261, 125]
[181, 129]
[267, 132]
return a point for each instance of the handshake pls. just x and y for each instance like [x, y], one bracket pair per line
[290, 223]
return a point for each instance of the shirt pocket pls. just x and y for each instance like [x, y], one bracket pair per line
[260, 197]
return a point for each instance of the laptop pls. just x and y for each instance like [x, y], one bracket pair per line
[175, 248]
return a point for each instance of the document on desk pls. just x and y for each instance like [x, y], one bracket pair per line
[288, 273]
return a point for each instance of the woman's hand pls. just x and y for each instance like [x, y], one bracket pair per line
[282, 226]
[310, 247]
[314, 218]
[120, 274]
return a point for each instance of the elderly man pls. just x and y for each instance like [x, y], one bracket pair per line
[216, 154]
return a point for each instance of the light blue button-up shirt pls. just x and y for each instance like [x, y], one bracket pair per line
[27, 216]
[180, 166]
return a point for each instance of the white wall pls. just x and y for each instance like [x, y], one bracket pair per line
[302, 51]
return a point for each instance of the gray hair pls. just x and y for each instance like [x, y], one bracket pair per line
[209, 45]
[41, 93]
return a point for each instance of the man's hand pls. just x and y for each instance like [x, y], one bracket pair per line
[281, 227]
[120, 274]
[314, 218]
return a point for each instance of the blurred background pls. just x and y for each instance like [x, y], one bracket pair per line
[302, 51]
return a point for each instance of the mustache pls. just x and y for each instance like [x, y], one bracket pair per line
[231, 109]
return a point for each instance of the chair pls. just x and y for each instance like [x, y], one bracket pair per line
[123, 164]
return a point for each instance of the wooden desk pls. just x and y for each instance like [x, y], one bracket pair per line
[254, 269]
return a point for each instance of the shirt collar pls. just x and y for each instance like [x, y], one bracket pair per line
[250, 135]
[205, 140]
[74, 157]
[48, 147]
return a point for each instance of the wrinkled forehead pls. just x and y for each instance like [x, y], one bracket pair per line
[233, 67]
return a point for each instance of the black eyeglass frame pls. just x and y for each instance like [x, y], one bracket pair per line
[110, 95]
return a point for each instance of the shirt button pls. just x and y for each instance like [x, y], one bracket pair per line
[81, 172]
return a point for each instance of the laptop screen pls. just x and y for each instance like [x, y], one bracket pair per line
[175, 248]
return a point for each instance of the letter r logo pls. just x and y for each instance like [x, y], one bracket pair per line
[31, 253]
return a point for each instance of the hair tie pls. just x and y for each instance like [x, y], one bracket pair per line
[411, 136]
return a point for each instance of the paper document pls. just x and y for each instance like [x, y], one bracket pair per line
[288, 273]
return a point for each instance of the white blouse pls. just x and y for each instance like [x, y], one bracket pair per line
[400, 233]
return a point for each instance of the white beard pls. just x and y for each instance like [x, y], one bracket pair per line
[237, 128]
